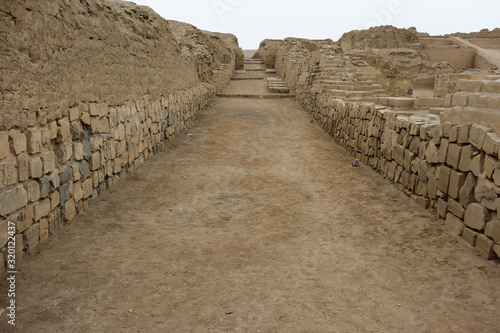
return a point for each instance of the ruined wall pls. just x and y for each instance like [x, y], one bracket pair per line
[459, 57]
[267, 52]
[89, 90]
[451, 168]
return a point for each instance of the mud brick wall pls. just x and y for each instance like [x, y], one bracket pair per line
[89, 90]
[451, 168]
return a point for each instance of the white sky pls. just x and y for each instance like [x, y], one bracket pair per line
[255, 20]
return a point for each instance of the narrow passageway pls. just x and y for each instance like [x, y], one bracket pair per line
[256, 222]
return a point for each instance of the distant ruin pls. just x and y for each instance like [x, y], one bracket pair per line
[91, 89]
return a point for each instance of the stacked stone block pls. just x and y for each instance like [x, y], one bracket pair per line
[449, 167]
[78, 112]
[52, 172]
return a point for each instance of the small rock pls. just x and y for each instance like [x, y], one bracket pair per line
[355, 163]
[229, 312]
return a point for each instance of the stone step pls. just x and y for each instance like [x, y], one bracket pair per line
[470, 115]
[421, 103]
[256, 96]
[278, 89]
[254, 61]
[487, 86]
[398, 103]
[348, 94]
[362, 87]
[334, 82]
[476, 99]
[247, 78]
[366, 99]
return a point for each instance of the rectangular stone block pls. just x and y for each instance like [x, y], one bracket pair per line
[477, 165]
[19, 246]
[469, 85]
[492, 230]
[78, 150]
[486, 193]
[49, 162]
[88, 188]
[18, 142]
[77, 191]
[95, 161]
[104, 128]
[4, 145]
[74, 114]
[441, 208]
[432, 153]
[446, 128]
[491, 143]
[478, 135]
[55, 200]
[484, 246]
[455, 224]
[33, 189]
[8, 172]
[95, 125]
[490, 163]
[455, 208]
[31, 237]
[453, 158]
[466, 157]
[476, 216]
[463, 133]
[444, 179]
[34, 137]
[44, 229]
[69, 210]
[423, 202]
[42, 209]
[4, 235]
[443, 150]
[65, 151]
[94, 109]
[53, 130]
[409, 156]
[54, 179]
[85, 118]
[12, 200]
[422, 188]
[470, 236]
[35, 167]
[457, 180]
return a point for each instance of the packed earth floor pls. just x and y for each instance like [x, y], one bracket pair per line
[255, 221]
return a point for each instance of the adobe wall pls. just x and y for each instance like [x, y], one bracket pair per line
[90, 89]
[451, 168]
[459, 57]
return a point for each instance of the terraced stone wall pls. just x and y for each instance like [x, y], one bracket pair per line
[448, 166]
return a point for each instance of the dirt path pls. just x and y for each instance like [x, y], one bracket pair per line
[256, 222]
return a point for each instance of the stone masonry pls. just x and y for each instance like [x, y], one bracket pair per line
[89, 91]
[451, 166]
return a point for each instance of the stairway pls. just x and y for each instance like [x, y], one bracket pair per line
[347, 78]
[260, 80]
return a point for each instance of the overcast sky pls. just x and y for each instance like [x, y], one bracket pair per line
[255, 20]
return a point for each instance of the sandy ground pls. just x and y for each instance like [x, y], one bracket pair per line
[255, 222]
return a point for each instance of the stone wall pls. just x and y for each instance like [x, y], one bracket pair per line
[89, 90]
[451, 168]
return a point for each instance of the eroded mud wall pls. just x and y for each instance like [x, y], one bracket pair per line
[89, 89]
